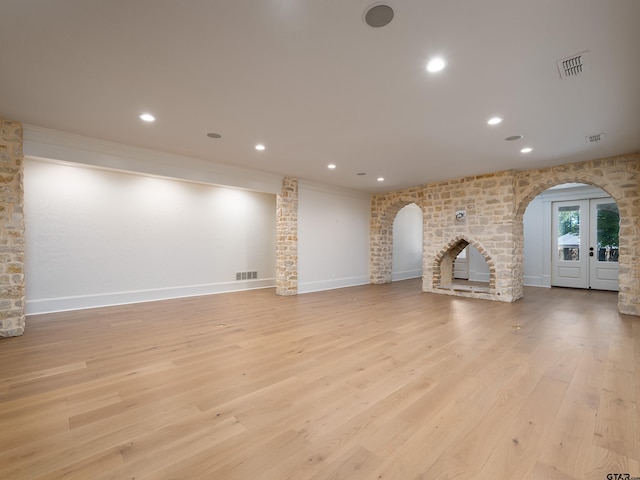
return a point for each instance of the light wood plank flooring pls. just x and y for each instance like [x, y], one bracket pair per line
[372, 382]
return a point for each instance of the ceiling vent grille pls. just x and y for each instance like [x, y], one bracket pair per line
[597, 138]
[574, 65]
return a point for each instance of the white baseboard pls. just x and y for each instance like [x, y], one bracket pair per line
[317, 286]
[537, 281]
[81, 302]
[532, 281]
[406, 275]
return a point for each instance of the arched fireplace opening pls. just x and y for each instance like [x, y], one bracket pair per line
[443, 269]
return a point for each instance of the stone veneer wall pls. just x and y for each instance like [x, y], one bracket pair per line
[287, 238]
[489, 203]
[12, 316]
[495, 205]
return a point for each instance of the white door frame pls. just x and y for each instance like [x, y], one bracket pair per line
[603, 264]
[570, 260]
[577, 263]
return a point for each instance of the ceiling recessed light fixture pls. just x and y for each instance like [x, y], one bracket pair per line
[436, 64]
[260, 147]
[331, 166]
[514, 137]
[214, 135]
[147, 117]
[526, 150]
[381, 179]
[494, 120]
[378, 16]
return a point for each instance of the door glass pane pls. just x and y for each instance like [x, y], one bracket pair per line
[569, 233]
[608, 219]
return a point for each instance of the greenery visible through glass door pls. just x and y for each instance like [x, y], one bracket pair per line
[608, 241]
[569, 233]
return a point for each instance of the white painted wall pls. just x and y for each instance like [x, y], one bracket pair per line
[97, 237]
[333, 238]
[407, 243]
[537, 234]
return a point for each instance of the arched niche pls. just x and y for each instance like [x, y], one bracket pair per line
[381, 237]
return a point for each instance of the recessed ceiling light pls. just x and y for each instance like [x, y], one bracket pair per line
[147, 117]
[436, 64]
[514, 137]
[381, 179]
[494, 121]
[260, 147]
[331, 166]
[214, 135]
[526, 150]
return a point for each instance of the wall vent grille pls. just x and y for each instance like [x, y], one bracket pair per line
[574, 65]
[246, 275]
[598, 137]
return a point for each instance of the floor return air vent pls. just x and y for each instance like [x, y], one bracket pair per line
[246, 275]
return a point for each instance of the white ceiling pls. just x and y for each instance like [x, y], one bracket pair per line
[316, 85]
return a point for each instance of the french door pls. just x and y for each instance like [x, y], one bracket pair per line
[585, 250]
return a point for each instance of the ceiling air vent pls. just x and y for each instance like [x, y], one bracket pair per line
[597, 138]
[574, 65]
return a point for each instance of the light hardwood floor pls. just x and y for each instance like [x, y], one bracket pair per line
[371, 382]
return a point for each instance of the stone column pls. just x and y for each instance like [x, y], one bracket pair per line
[12, 317]
[626, 171]
[287, 238]
[380, 241]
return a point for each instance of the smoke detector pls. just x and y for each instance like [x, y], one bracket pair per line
[574, 65]
[597, 138]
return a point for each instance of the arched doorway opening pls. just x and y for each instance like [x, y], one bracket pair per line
[406, 258]
[571, 238]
